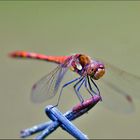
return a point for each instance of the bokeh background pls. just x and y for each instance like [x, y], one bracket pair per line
[106, 29]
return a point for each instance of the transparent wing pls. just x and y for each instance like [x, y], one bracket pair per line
[118, 87]
[48, 86]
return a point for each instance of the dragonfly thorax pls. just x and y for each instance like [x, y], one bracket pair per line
[79, 63]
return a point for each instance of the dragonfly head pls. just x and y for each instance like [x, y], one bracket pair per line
[96, 69]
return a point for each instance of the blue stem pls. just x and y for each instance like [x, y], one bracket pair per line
[48, 127]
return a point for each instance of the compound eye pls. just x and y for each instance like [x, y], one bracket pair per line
[101, 66]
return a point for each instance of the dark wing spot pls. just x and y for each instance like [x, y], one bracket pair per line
[129, 99]
[34, 87]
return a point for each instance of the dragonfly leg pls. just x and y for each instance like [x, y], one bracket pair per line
[66, 84]
[90, 87]
[98, 93]
[95, 86]
[89, 91]
[81, 81]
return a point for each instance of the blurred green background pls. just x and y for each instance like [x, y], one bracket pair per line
[107, 30]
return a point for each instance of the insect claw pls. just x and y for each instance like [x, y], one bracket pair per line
[82, 101]
[55, 105]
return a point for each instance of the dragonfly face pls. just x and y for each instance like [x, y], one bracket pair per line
[95, 69]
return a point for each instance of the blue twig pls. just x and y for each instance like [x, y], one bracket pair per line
[63, 120]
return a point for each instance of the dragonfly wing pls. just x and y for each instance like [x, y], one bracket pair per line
[128, 82]
[116, 99]
[48, 86]
[118, 88]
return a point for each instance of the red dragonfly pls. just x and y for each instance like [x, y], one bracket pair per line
[118, 83]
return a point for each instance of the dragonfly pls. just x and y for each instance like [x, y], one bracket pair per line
[119, 85]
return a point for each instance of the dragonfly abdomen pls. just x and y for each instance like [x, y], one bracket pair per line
[24, 54]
